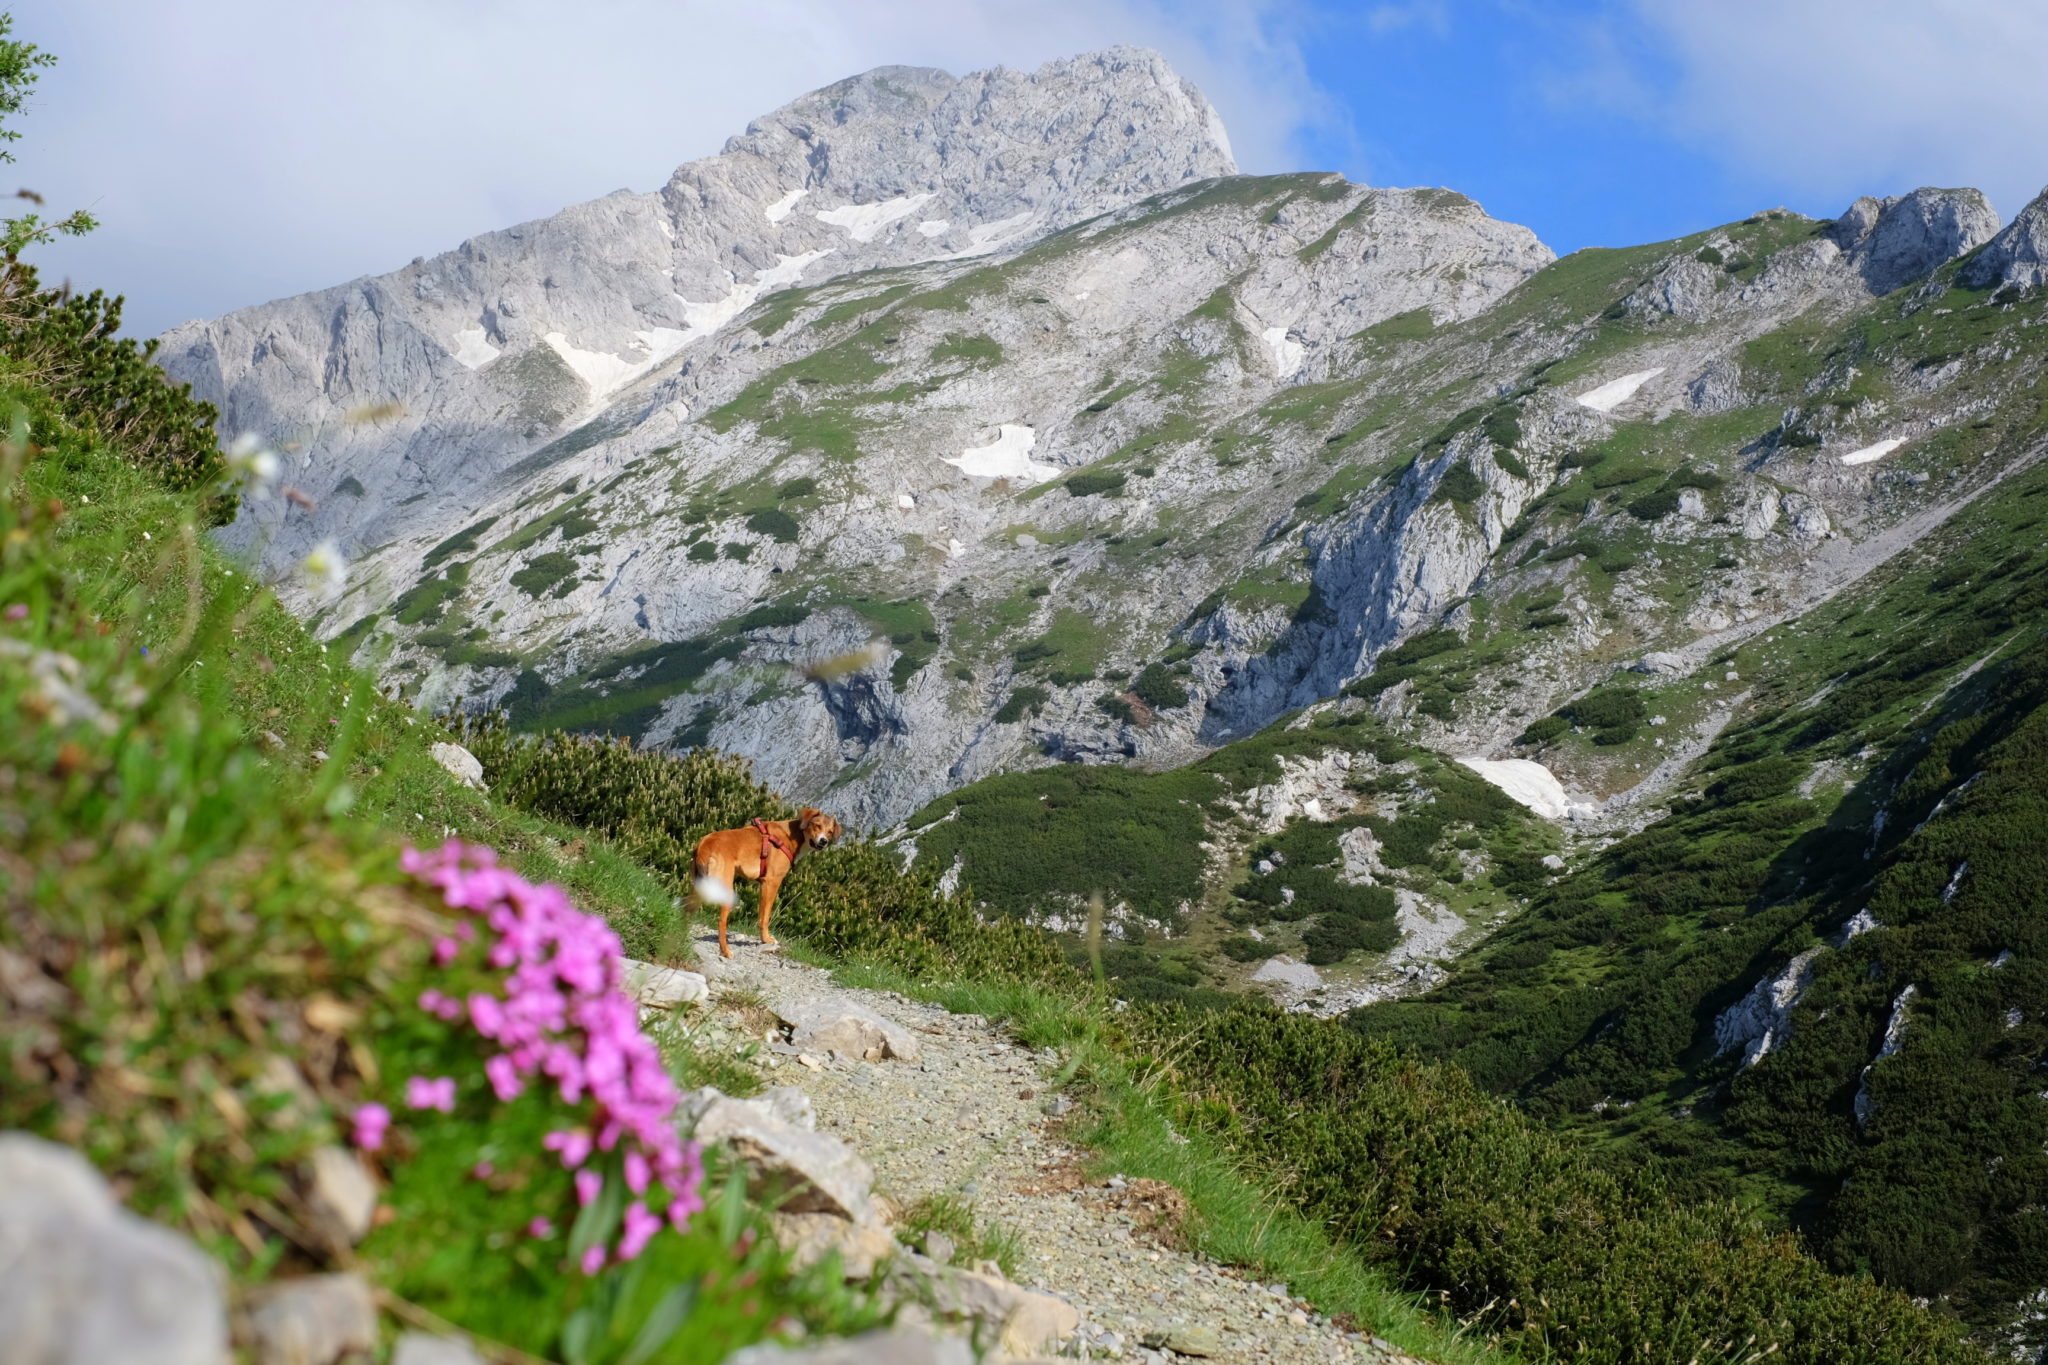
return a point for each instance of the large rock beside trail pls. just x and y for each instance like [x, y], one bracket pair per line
[875, 1348]
[664, 988]
[810, 1237]
[835, 1024]
[85, 1282]
[823, 1173]
[1025, 1320]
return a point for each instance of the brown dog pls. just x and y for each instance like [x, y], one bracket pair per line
[764, 852]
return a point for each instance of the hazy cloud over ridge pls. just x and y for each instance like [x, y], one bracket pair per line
[241, 150]
[1855, 97]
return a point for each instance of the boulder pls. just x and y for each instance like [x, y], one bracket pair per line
[85, 1282]
[312, 1320]
[789, 1104]
[342, 1195]
[1661, 662]
[820, 1173]
[664, 988]
[836, 1024]
[463, 765]
[810, 1237]
[1025, 1320]
[899, 1347]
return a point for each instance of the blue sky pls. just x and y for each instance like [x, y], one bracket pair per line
[240, 150]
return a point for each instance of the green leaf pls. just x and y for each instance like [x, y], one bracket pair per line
[662, 1324]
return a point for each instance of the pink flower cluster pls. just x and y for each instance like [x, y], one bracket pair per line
[563, 1018]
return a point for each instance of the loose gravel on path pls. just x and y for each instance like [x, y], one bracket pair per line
[975, 1118]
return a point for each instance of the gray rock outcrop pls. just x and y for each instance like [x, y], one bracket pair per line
[2018, 255]
[84, 1282]
[818, 1172]
[1896, 240]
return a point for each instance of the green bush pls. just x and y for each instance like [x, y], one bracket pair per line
[1460, 484]
[803, 486]
[1545, 730]
[1160, 688]
[1021, 702]
[774, 523]
[1098, 481]
[1242, 948]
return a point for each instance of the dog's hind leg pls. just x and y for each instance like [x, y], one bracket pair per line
[712, 885]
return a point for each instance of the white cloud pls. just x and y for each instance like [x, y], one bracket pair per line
[1838, 98]
[239, 150]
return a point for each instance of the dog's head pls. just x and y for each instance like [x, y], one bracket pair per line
[819, 829]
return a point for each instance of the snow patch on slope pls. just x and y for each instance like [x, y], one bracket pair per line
[472, 350]
[1006, 457]
[991, 236]
[1286, 355]
[864, 222]
[1614, 393]
[1870, 453]
[780, 209]
[934, 227]
[1531, 784]
[606, 373]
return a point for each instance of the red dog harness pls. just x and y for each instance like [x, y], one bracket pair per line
[768, 838]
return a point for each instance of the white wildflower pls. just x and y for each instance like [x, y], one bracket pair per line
[325, 569]
[251, 460]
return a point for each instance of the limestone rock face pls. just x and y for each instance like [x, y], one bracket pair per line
[83, 1282]
[410, 391]
[1892, 241]
[2018, 255]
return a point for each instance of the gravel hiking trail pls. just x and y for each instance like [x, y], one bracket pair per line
[977, 1118]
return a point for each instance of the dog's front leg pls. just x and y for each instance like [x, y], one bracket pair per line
[769, 886]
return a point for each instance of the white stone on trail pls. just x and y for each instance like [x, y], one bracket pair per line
[1286, 974]
[1531, 784]
[1876, 452]
[1027, 1321]
[1286, 355]
[465, 766]
[663, 988]
[864, 222]
[905, 502]
[825, 1024]
[780, 209]
[1615, 392]
[472, 349]
[1006, 457]
[83, 1280]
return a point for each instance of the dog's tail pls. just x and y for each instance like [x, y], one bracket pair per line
[710, 889]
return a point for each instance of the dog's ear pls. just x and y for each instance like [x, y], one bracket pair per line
[808, 814]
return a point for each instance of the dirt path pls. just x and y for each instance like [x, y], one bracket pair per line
[974, 1118]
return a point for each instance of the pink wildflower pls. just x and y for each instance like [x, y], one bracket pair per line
[572, 1143]
[593, 1260]
[370, 1121]
[422, 1093]
[562, 1019]
[540, 1227]
[17, 611]
[483, 1170]
[640, 1229]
